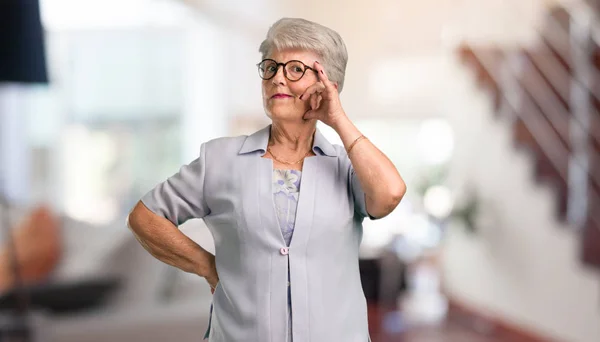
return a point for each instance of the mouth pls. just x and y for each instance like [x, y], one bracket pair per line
[280, 96]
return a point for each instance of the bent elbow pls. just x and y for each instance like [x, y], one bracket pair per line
[128, 220]
[132, 220]
[397, 194]
[387, 203]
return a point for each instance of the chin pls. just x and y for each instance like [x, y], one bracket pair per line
[284, 113]
[286, 117]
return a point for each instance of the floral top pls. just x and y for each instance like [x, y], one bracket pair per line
[286, 189]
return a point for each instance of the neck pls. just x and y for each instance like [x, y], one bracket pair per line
[292, 137]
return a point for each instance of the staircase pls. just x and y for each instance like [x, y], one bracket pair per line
[550, 93]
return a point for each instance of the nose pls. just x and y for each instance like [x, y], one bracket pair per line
[279, 78]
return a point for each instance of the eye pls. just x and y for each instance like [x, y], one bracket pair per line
[295, 68]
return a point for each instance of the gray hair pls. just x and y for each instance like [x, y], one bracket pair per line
[295, 33]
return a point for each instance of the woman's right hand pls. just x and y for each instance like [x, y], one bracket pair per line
[212, 282]
[212, 277]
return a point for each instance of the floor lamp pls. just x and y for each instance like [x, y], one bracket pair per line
[22, 62]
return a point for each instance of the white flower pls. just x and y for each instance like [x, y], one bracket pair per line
[285, 180]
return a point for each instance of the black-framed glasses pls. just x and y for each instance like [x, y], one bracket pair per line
[292, 70]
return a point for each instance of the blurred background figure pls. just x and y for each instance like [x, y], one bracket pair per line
[489, 109]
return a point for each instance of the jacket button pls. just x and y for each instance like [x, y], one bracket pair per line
[284, 251]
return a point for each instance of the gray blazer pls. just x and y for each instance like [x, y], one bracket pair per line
[230, 186]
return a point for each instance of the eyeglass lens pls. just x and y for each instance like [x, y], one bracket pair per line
[294, 70]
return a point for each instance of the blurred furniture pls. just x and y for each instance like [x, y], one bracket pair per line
[139, 309]
[22, 60]
[22, 55]
[63, 297]
[9, 328]
[37, 242]
[383, 279]
[116, 289]
[93, 260]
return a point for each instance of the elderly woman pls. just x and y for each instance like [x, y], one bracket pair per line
[284, 205]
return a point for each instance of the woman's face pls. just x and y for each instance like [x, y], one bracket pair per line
[281, 97]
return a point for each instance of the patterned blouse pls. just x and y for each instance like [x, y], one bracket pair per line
[286, 189]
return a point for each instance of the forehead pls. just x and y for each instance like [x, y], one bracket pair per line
[306, 56]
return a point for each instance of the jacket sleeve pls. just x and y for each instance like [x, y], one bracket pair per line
[181, 196]
[358, 194]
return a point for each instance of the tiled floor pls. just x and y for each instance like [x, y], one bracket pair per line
[447, 331]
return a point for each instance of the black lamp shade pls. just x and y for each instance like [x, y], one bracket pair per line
[22, 53]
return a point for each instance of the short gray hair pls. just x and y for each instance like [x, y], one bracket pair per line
[295, 33]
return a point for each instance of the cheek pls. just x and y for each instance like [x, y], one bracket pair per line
[298, 88]
[263, 88]
[264, 93]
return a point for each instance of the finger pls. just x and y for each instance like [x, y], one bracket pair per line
[314, 101]
[323, 77]
[317, 87]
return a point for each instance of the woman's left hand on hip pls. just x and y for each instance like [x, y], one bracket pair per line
[324, 99]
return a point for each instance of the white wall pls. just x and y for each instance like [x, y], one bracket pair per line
[383, 38]
[523, 265]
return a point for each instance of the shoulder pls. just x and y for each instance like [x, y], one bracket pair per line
[340, 151]
[342, 156]
[223, 145]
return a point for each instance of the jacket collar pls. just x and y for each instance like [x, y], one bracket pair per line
[259, 140]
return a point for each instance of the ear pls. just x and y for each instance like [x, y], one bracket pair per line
[336, 86]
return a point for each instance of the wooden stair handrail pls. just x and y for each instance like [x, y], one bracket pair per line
[543, 97]
[539, 129]
[552, 41]
[554, 71]
[551, 72]
[546, 100]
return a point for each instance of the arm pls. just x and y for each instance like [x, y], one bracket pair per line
[381, 182]
[378, 178]
[163, 240]
[155, 219]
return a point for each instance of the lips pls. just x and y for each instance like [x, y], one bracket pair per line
[280, 96]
